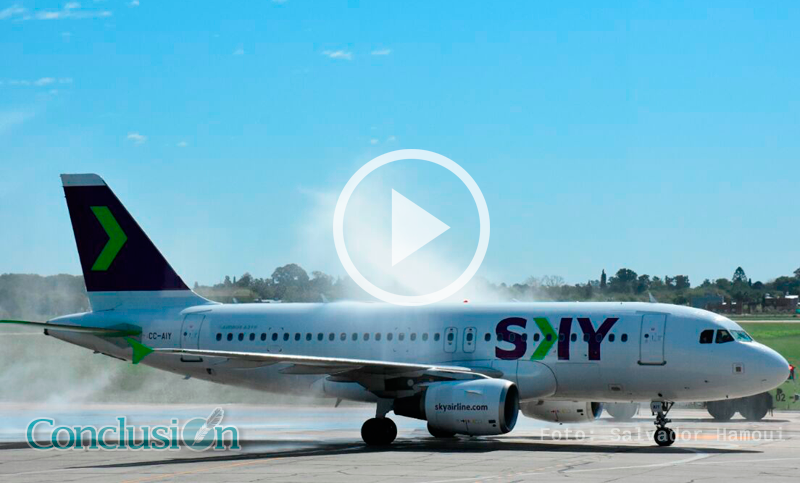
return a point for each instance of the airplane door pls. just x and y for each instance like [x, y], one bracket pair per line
[450, 341]
[469, 339]
[190, 335]
[651, 339]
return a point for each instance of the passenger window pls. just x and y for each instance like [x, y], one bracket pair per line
[549, 337]
[401, 336]
[525, 337]
[561, 337]
[499, 337]
[378, 336]
[436, 337]
[723, 336]
[286, 336]
[488, 337]
[274, 336]
[331, 337]
[413, 336]
[425, 336]
[342, 336]
[253, 336]
[389, 336]
[624, 338]
[611, 337]
[354, 337]
[512, 337]
[297, 336]
[263, 336]
[230, 336]
[320, 336]
[573, 337]
[536, 337]
[586, 337]
[450, 337]
[241, 336]
[707, 336]
[366, 335]
[308, 336]
[219, 336]
[469, 336]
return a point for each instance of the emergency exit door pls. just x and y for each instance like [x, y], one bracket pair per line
[651, 339]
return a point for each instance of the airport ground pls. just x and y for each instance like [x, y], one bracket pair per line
[323, 445]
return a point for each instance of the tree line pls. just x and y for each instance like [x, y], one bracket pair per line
[36, 297]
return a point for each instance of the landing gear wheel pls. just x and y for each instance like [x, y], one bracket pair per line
[664, 437]
[721, 410]
[440, 433]
[378, 431]
[754, 408]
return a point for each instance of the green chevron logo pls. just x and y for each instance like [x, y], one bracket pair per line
[548, 338]
[116, 238]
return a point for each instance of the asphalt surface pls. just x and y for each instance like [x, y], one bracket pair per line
[323, 445]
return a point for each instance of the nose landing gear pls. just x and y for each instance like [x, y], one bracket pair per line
[663, 436]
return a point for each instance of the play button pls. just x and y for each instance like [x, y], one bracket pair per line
[412, 227]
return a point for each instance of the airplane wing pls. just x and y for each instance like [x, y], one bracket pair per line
[329, 365]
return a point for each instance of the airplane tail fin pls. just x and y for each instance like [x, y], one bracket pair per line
[121, 266]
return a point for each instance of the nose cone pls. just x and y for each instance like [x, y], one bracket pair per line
[774, 368]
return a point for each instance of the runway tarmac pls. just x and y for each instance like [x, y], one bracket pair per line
[323, 445]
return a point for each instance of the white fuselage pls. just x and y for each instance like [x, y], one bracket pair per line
[650, 352]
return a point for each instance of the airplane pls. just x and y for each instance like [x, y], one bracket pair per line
[466, 369]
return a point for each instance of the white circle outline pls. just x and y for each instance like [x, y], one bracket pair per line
[358, 177]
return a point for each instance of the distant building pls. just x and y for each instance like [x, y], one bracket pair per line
[706, 301]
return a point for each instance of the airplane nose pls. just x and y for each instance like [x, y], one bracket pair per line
[775, 369]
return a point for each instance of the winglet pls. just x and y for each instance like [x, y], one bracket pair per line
[140, 351]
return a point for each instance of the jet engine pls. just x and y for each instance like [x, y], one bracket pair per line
[562, 411]
[483, 407]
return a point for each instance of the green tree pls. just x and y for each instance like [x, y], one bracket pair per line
[603, 279]
[681, 282]
[739, 275]
[623, 281]
[797, 273]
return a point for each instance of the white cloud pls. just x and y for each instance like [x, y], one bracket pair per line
[12, 11]
[44, 81]
[391, 139]
[137, 138]
[65, 80]
[182, 144]
[382, 52]
[239, 51]
[9, 119]
[71, 10]
[373, 141]
[338, 54]
[134, 3]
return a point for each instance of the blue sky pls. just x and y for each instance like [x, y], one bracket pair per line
[659, 136]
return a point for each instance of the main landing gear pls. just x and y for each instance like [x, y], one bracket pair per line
[380, 430]
[663, 436]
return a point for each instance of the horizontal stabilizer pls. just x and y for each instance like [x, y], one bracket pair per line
[100, 331]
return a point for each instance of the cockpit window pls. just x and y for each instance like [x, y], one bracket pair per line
[707, 336]
[742, 336]
[724, 336]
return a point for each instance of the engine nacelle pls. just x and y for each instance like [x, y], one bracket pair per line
[563, 411]
[483, 407]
